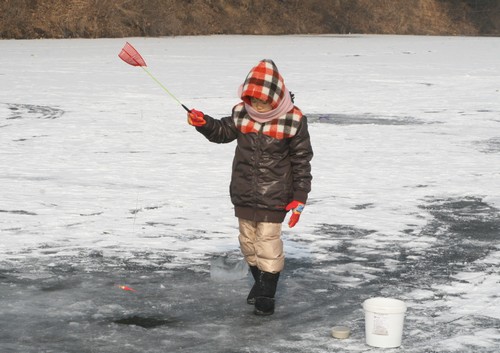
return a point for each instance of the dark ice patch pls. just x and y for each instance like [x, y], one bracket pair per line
[466, 230]
[139, 261]
[19, 212]
[30, 111]
[491, 145]
[466, 218]
[362, 206]
[342, 231]
[90, 214]
[160, 224]
[362, 119]
[58, 284]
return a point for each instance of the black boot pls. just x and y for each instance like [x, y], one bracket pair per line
[266, 289]
[253, 292]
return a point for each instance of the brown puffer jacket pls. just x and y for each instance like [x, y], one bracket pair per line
[271, 165]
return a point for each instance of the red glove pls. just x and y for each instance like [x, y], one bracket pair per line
[195, 118]
[297, 207]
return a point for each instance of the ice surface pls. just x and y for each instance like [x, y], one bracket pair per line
[104, 184]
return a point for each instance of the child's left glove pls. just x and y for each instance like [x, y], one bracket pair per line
[297, 207]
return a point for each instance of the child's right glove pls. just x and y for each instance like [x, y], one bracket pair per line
[297, 207]
[196, 118]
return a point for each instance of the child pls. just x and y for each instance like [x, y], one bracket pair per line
[271, 172]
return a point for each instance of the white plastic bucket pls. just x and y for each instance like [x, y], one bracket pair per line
[384, 318]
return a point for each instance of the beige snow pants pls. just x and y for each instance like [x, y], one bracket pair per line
[261, 244]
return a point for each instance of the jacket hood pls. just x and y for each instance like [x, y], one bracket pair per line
[264, 82]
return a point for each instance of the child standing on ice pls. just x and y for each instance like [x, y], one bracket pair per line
[271, 172]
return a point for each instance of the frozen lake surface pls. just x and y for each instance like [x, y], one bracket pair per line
[103, 184]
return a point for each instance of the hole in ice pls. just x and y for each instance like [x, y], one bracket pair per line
[145, 322]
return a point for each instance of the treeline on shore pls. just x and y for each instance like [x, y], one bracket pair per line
[28, 19]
